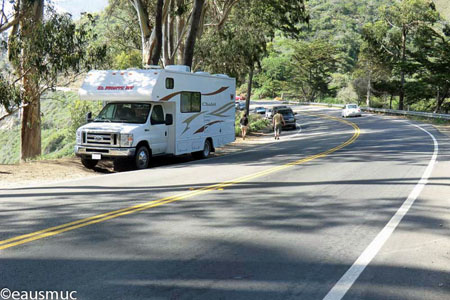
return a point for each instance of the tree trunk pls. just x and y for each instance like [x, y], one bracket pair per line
[181, 22]
[402, 84]
[249, 89]
[390, 102]
[192, 35]
[30, 137]
[169, 35]
[156, 55]
[440, 98]
[31, 121]
[369, 89]
[148, 37]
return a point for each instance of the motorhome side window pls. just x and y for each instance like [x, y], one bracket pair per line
[190, 102]
[157, 115]
[169, 83]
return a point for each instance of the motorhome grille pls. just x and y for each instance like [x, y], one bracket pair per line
[101, 139]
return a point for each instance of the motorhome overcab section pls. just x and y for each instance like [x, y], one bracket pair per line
[155, 112]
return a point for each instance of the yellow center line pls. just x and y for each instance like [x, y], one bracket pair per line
[51, 231]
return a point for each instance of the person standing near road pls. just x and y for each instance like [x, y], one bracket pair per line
[244, 125]
[278, 123]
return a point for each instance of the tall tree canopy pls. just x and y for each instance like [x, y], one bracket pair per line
[42, 45]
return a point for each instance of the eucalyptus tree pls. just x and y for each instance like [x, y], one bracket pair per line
[171, 27]
[42, 46]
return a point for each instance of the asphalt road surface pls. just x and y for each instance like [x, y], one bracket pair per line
[332, 210]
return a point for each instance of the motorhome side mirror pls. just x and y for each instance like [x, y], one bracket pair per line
[89, 117]
[169, 119]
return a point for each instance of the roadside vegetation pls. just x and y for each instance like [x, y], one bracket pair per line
[62, 114]
[256, 123]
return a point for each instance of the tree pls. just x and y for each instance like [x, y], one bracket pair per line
[433, 55]
[181, 23]
[40, 50]
[239, 45]
[314, 62]
[193, 30]
[392, 36]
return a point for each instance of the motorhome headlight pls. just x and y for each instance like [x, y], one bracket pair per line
[78, 137]
[126, 140]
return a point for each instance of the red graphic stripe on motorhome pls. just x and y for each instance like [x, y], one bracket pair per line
[202, 129]
[216, 92]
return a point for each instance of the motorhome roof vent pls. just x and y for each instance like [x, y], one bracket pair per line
[221, 75]
[202, 73]
[152, 67]
[178, 68]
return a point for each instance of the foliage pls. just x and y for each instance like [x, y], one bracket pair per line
[314, 62]
[255, 123]
[42, 51]
[62, 114]
[276, 71]
[54, 47]
[125, 60]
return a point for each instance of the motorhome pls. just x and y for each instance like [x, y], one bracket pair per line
[153, 112]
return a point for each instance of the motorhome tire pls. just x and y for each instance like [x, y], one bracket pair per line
[89, 163]
[205, 152]
[142, 158]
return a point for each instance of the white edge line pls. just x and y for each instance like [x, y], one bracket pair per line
[348, 279]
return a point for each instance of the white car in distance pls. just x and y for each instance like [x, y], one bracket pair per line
[351, 110]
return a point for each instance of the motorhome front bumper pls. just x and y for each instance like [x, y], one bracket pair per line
[104, 151]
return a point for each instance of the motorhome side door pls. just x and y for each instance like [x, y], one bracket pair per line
[158, 130]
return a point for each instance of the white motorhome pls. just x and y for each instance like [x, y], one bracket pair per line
[155, 112]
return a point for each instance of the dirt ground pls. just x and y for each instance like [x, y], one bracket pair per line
[49, 171]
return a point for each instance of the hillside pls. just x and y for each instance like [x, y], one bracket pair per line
[443, 6]
[62, 113]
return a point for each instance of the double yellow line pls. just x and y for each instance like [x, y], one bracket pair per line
[37, 235]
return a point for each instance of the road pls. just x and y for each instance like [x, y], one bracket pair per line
[283, 220]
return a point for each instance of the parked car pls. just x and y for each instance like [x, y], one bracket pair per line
[289, 118]
[351, 110]
[260, 110]
[240, 105]
[271, 111]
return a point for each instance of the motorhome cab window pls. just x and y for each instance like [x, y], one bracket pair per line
[157, 115]
[124, 113]
[190, 102]
[169, 83]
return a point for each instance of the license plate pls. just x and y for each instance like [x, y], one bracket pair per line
[96, 156]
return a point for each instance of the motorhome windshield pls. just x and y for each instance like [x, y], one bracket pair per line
[124, 113]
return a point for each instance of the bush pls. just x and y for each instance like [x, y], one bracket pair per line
[347, 94]
[256, 123]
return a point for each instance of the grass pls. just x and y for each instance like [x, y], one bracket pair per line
[62, 113]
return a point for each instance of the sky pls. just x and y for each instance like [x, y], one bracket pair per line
[75, 7]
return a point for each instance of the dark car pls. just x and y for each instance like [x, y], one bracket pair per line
[289, 118]
[270, 112]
